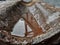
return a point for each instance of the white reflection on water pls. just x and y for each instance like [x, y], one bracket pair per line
[19, 28]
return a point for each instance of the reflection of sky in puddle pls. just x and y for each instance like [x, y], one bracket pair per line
[19, 28]
[27, 0]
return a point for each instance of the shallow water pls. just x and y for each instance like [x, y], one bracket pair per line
[19, 27]
[53, 2]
